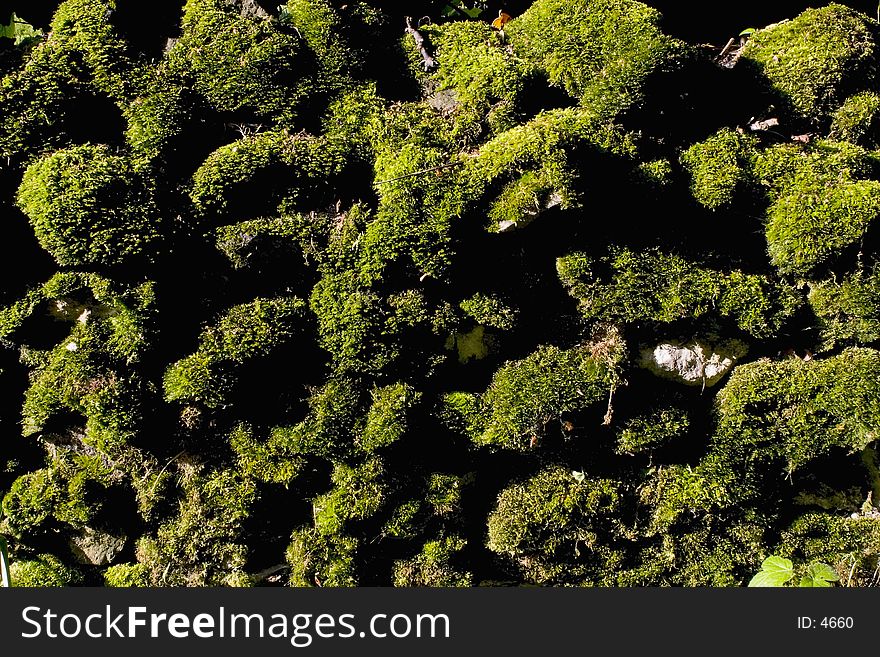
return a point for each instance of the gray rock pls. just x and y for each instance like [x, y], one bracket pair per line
[92, 547]
[693, 363]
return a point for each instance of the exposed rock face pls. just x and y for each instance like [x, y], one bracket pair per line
[695, 364]
[96, 548]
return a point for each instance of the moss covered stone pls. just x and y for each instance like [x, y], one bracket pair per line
[666, 288]
[358, 493]
[242, 62]
[202, 544]
[653, 430]
[127, 575]
[813, 62]
[812, 225]
[528, 395]
[599, 51]
[89, 207]
[790, 412]
[481, 79]
[559, 530]
[386, 420]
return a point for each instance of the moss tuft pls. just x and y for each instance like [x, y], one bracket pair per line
[89, 207]
[816, 60]
[720, 167]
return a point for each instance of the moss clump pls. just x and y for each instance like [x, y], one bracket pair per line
[812, 225]
[527, 395]
[83, 30]
[241, 178]
[490, 310]
[244, 332]
[127, 575]
[653, 430]
[242, 62]
[816, 60]
[89, 207]
[433, 566]
[539, 164]
[270, 461]
[386, 421]
[599, 51]
[849, 311]
[790, 412]
[540, 522]
[847, 544]
[666, 288]
[720, 167]
[822, 202]
[856, 121]
[320, 559]
[477, 77]
[202, 545]
[358, 493]
[45, 571]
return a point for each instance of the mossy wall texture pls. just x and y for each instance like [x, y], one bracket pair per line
[575, 302]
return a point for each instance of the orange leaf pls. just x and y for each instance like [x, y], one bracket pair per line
[502, 19]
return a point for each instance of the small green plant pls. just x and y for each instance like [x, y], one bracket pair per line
[778, 571]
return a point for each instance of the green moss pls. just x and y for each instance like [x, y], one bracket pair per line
[813, 224]
[849, 311]
[66, 493]
[358, 493]
[433, 566]
[848, 544]
[89, 207]
[490, 310]
[83, 29]
[527, 395]
[386, 421]
[540, 162]
[856, 120]
[127, 575]
[319, 559]
[656, 429]
[45, 571]
[202, 545]
[676, 492]
[242, 177]
[247, 331]
[476, 344]
[815, 60]
[599, 51]
[557, 529]
[481, 79]
[406, 521]
[786, 167]
[156, 119]
[719, 167]
[666, 288]
[271, 461]
[790, 412]
[242, 62]
[444, 493]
